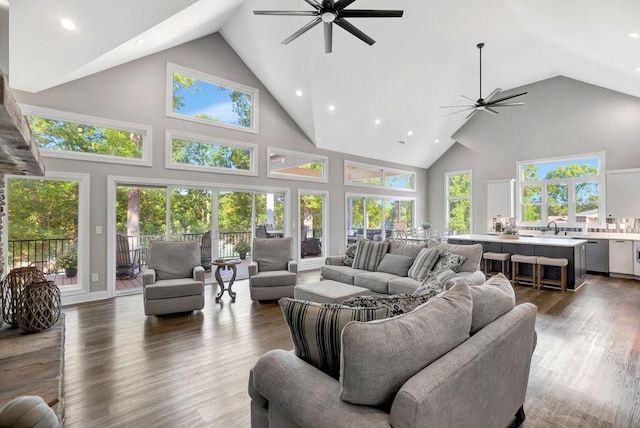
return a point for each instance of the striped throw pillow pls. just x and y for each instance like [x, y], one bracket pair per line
[315, 330]
[369, 254]
[424, 262]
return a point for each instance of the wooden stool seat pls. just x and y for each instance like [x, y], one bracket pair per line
[554, 262]
[516, 276]
[488, 265]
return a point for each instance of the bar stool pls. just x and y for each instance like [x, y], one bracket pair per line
[489, 257]
[555, 262]
[516, 277]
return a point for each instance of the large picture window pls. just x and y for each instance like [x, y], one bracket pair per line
[568, 191]
[292, 165]
[358, 174]
[70, 135]
[458, 206]
[203, 98]
[199, 152]
[376, 217]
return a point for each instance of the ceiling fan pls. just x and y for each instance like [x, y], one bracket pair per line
[332, 12]
[487, 104]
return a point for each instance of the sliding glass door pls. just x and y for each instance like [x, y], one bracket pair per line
[312, 216]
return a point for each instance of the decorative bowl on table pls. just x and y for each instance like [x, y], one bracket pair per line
[506, 235]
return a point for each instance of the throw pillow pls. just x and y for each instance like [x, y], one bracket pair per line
[473, 253]
[349, 254]
[369, 254]
[450, 260]
[436, 280]
[491, 300]
[423, 263]
[396, 304]
[395, 264]
[380, 356]
[315, 330]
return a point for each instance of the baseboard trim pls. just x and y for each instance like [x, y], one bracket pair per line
[84, 298]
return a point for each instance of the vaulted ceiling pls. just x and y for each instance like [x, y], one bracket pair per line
[424, 60]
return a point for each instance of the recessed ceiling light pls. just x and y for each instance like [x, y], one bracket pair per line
[634, 35]
[68, 24]
[141, 41]
[638, 69]
[410, 133]
[332, 107]
[377, 121]
[299, 92]
[437, 141]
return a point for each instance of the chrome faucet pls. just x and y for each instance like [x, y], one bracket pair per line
[556, 230]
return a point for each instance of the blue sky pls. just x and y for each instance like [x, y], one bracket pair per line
[544, 168]
[210, 99]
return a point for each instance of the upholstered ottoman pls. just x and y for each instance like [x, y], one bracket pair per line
[328, 291]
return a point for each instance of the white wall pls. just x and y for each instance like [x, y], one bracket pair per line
[561, 117]
[135, 92]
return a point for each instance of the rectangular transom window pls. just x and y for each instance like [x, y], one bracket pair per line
[568, 190]
[199, 152]
[296, 165]
[70, 135]
[358, 174]
[203, 98]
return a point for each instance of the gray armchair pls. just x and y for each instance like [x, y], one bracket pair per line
[272, 272]
[174, 280]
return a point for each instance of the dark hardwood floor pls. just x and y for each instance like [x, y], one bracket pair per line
[123, 369]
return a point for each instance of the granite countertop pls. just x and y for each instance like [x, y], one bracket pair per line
[526, 240]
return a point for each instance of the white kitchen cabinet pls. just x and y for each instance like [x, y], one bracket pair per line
[621, 186]
[621, 256]
[500, 200]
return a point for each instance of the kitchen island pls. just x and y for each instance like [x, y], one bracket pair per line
[574, 250]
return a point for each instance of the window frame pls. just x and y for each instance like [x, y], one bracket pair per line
[285, 176]
[448, 198]
[145, 130]
[381, 170]
[600, 180]
[170, 134]
[218, 81]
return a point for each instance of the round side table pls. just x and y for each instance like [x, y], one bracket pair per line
[221, 264]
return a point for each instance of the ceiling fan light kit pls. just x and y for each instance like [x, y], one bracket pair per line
[487, 104]
[331, 12]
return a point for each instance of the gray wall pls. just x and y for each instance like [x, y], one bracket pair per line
[4, 39]
[135, 92]
[561, 117]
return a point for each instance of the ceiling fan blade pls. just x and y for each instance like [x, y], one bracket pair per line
[507, 104]
[286, 12]
[459, 111]
[370, 13]
[327, 4]
[468, 99]
[328, 37]
[341, 4]
[467, 106]
[490, 110]
[314, 3]
[506, 98]
[492, 94]
[355, 31]
[301, 31]
[475, 110]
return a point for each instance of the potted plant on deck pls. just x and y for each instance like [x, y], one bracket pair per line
[68, 262]
[242, 248]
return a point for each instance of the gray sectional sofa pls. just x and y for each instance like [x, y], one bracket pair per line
[391, 283]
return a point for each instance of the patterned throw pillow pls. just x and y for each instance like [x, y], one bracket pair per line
[396, 304]
[449, 260]
[315, 330]
[423, 263]
[436, 280]
[349, 254]
[369, 254]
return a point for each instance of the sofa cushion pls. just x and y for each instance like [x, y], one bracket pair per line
[273, 278]
[437, 279]
[449, 260]
[349, 254]
[396, 264]
[491, 300]
[375, 281]
[172, 259]
[369, 254]
[473, 253]
[380, 356]
[403, 249]
[272, 253]
[402, 285]
[422, 265]
[396, 304]
[315, 330]
[344, 274]
[171, 288]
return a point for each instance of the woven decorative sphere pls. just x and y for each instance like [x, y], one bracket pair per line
[28, 411]
[38, 306]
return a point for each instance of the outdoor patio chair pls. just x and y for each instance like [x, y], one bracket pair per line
[127, 259]
[261, 231]
[272, 273]
[311, 247]
[205, 251]
[174, 280]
